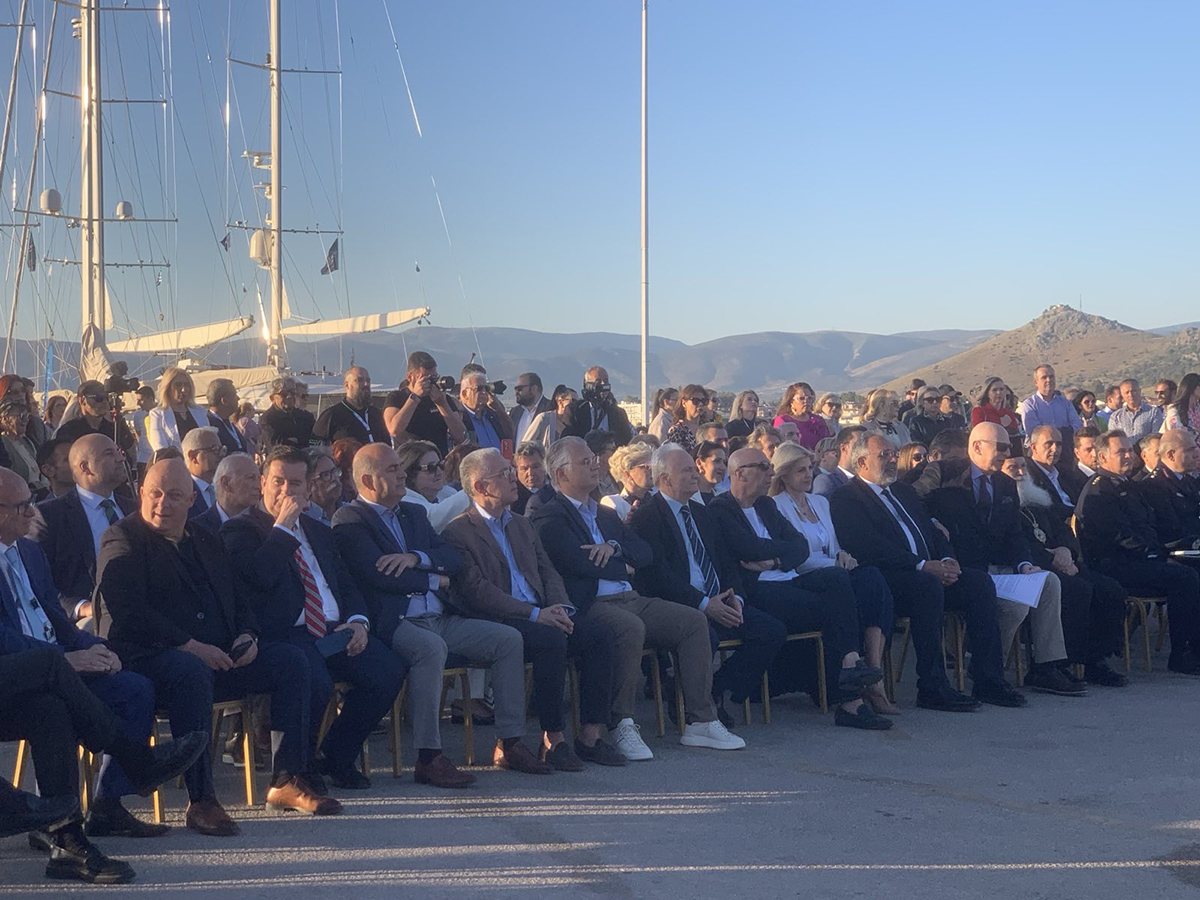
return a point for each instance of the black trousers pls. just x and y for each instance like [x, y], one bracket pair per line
[1093, 608]
[546, 647]
[44, 701]
[821, 600]
[925, 600]
[1180, 584]
[763, 636]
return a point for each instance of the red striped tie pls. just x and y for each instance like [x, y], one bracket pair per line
[314, 610]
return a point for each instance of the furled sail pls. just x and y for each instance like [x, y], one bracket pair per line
[357, 324]
[182, 339]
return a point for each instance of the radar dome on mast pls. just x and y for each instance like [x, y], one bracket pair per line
[124, 210]
[260, 247]
[51, 201]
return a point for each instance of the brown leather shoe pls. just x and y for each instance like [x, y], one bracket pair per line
[519, 758]
[297, 794]
[440, 772]
[207, 817]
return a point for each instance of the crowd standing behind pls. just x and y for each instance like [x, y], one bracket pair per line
[195, 551]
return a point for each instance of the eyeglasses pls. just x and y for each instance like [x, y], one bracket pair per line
[328, 475]
[509, 473]
[761, 466]
[931, 399]
[429, 468]
[19, 508]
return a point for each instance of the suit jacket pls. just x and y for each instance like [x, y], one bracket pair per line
[1176, 505]
[577, 421]
[231, 438]
[12, 639]
[979, 540]
[670, 576]
[785, 544]
[1046, 522]
[562, 530]
[264, 562]
[543, 405]
[869, 532]
[149, 593]
[362, 538]
[199, 504]
[828, 482]
[210, 519]
[1116, 523]
[1072, 480]
[484, 585]
[527, 498]
[61, 526]
[1039, 477]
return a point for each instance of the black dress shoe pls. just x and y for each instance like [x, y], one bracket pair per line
[562, 758]
[148, 767]
[21, 811]
[1050, 680]
[108, 818]
[999, 693]
[602, 753]
[724, 717]
[343, 775]
[74, 858]
[1100, 673]
[859, 676]
[863, 717]
[947, 699]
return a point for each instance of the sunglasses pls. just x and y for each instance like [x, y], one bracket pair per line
[762, 466]
[429, 468]
[96, 398]
[931, 399]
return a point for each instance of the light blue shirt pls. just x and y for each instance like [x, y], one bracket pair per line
[419, 605]
[587, 512]
[1137, 423]
[485, 434]
[34, 621]
[97, 518]
[695, 576]
[519, 588]
[207, 491]
[1057, 411]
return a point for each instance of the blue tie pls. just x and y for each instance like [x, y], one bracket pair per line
[712, 586]
[393, 524]
[27, 604]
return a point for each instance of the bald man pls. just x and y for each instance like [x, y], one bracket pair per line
[980, 507]
[238, 485]
[1172, 491]
[69, 527]
[179, 620]
[355, 417]
[597, 408]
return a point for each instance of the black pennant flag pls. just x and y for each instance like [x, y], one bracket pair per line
[224, 242]
[331, 259]
[31, 256]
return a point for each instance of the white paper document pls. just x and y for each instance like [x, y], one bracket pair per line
[1025, 589]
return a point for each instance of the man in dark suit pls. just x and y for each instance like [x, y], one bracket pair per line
[404, 568]
[597, 555]
[43, 701]
[238, 484]
[533, 486]
[202, 451]
[1045, 451]
[596, 409]
[883, 523]
[1172, 491]
[179, 619]
[530, 402]
[769, 550]
[979, 505]
[827, 482]
[69, 527]
[30, 617]
[289, 568]
[507, 577]
[223, 403]
[1077, 472]
[1118, 532]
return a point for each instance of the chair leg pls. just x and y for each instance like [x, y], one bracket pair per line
[680, 713]
[468, 718]
[766, 698]
[1163, 624]
[573, 688]
[1128, 655]
[1146, 636]
[85, 781]
[822, 687]
[156, 798]
[22, 758]
[656, 681]
[905, 641]
[397, 755]
[248, 740]
[959, 654]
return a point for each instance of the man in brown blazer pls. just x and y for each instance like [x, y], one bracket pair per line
[507, 577]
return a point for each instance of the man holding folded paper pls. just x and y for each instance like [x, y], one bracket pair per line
[978, 504]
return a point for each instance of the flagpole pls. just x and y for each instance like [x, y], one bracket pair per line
[645, 233]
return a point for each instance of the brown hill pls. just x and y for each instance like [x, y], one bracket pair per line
[1085, 350]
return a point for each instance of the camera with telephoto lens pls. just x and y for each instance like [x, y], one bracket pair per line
[495, 387]
[447, 384]
[120, 381]
[596, 391]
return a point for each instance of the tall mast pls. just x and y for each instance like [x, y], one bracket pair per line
[645, 236]
[92, 168]
[276, 356]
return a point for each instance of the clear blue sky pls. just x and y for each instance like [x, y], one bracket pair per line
[870, 166]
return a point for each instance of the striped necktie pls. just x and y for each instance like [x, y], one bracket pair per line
[712, 586]
[314, 609]
[110, 510]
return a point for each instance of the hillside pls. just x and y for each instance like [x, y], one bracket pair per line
[1085, 350]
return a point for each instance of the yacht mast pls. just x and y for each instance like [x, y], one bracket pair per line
[91, 222]
[645, 235]
[276, 355]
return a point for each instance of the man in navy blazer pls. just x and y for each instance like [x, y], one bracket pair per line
[239, 487]
[289, 567]
[202, 451]
[31, 617]
[69, 527]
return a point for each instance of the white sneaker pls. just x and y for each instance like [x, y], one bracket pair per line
[712, 734]
[628, 739]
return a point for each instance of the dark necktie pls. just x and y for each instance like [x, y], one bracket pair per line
[110, 510]
[985, 498]
[712, 586]
[922, 547]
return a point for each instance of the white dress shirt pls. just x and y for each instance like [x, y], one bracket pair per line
[761, 530]
[329, 604]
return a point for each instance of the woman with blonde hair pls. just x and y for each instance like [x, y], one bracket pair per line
[177, 412]
[829, 407]
[630, 468]
[911, 456]
[883, 406]
[743, 417]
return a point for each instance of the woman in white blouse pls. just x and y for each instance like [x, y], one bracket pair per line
[809, 514]
[427, 486]
[177, 412]
[883, 409]
[630, 465]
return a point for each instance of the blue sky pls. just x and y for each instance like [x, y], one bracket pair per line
[872, 166]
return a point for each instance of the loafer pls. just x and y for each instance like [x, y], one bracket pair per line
[21, 811]
[859, 676]
[863, 717]
[163, 762]
[343, 775]
[440, 772]
[107, 819]
[562, 758]
[209, 817]
[519, 758]
[297, 794]
[1100, 673]
[1050, 680]
[999, 694]
[602, 753]
[947, 699]
[81, 860]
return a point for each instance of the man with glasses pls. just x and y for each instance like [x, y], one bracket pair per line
[530, 403]
[238, 488]
[202, 452]
[927, 422]
[286, 422]
[324, 486]
[404, 568]
[355, 417]
[597, 408]
[97, 417]
[487, 422]
[979, 505]
[1164, 393]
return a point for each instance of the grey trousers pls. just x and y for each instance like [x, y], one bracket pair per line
[424, 643]
[661, 624]
[1045, 621]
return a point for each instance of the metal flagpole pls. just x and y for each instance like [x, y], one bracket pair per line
[645, 237]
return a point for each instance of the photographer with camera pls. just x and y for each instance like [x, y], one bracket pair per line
[487, 422]
[597, 409]
[97, 416]
[421, 410]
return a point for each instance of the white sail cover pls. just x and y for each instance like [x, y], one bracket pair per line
[357, 324]
[182, 339]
